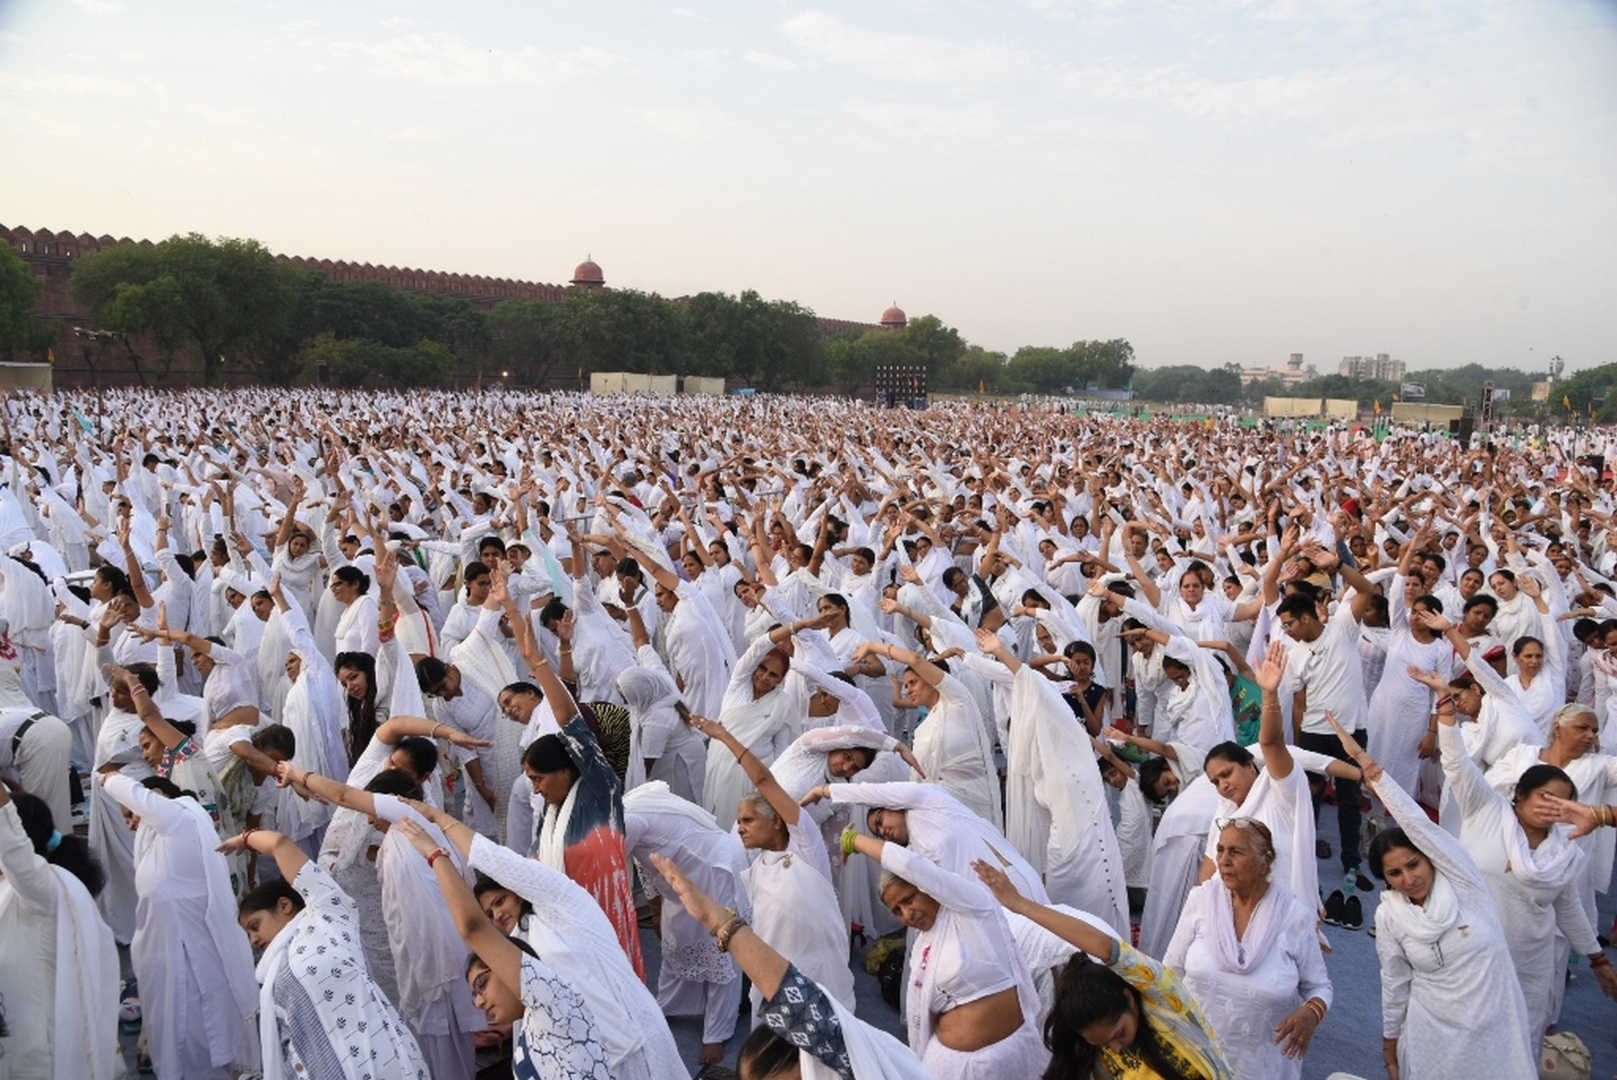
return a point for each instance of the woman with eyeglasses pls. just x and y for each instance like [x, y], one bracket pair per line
[1246, 948]
[1450, 1005]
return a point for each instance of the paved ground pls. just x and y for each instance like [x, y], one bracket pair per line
[1350, 1039]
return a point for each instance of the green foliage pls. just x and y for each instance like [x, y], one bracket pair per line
[1591, 387]
[355, 362]
[1189, 383]
[1048, 370]
[228, 302]
[19, 289]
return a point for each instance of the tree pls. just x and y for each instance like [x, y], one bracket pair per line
[19, 289]
[941, 346]
[530, 338]
[227, 301]
[353, 362]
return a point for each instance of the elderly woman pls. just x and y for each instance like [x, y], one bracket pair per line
[1124, 1017]
[1532, 870]
[804, 1032]
[1246, 948]
[1449, 1006]
[972, 1005]
[794, 904]
[1573, 747]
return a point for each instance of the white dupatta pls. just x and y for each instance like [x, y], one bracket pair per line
[874, 1054]
[85, 998]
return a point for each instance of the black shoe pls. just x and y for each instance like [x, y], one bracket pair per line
[1362, 883]
[1335, 906]
[1352, 914]
[1322, 849]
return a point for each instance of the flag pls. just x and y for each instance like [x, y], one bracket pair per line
[83, 423]
[50, 357]
[980, 386]
[1395, 396]
[1566, 399]
[1378, 406]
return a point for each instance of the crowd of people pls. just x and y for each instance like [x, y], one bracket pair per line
[359, 735]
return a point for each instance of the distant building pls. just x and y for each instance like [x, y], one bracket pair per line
[1293, 373]
[1379, 366]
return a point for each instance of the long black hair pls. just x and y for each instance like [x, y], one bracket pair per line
[1088, 993]
[71, 853]
[361, 711]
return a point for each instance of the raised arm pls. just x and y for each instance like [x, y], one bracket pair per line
[1074, 931]
[504, 959]
[762, 779]
[1271, 730]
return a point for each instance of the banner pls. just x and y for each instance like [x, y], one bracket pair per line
[1412, 390]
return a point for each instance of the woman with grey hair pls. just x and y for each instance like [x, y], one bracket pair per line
[794, 905]
[1246, 948]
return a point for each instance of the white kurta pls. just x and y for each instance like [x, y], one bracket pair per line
[1286, 968]
[190, 956]
[795, 910]
[1536, 890]
[1448, 994]
[760, 724]
[59, 981]
[953, 748]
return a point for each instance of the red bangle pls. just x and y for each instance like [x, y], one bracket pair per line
[434, 856]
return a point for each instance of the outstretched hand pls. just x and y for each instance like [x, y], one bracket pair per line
[702, 907]
[419, 838]
[1273, 668]
[998, 884]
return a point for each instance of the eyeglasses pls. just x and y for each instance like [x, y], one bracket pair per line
[1238, 822]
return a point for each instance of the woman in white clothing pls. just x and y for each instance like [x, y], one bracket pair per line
[663, 746]
[319, 1011]
[1573, 747]
[571, 935]
[59, 981]
[952, 742]
[1538, 659]
[1531, 868]
[1247, 949]
[1400, 705]
[794, 905]
[756, 710]
[1449, 1006]
[192, 961]
[356, 626]
[971, 1005]
[695, 977]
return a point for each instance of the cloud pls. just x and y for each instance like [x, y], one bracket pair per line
[906, 57]
[769, 61]
[684, 124]
[687, 13]
[904, 120]
[100, 7]
[443, 59]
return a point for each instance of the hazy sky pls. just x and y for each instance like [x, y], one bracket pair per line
[1216, 180]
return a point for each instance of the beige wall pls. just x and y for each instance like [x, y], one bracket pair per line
[1341, 408]
[1291, 406]
[1415, 412]
[26, 377]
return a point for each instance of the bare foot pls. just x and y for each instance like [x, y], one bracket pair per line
[712, 1053]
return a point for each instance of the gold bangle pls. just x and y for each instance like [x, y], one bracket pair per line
[728, 931]
[1314, 1006]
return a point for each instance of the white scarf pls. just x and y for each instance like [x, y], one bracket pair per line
[1423, 923]
[553, 832]
[86, 992]
[1544, 869]
[1241, 955]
